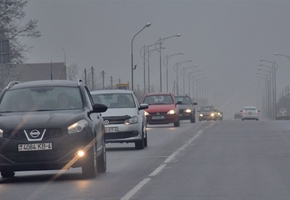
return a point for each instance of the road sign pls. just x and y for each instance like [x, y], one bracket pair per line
[122, 86]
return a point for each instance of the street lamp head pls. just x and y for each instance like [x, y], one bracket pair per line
[181, 53]
[277, 54]
[148, 24]
[178, 35]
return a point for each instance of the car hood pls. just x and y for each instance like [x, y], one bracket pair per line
[119, 112]
[160, 108]
[40, 119]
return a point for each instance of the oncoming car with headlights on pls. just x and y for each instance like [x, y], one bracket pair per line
[125, 121]
[51, 125]
[163, 109]
[186, 108]
[207, 113]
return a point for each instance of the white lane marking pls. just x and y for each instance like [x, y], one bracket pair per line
[158, 169]
[135, 189]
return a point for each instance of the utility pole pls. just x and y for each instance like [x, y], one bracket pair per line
[103, 78]
[85, 72]
[93, 85]
[111, 82]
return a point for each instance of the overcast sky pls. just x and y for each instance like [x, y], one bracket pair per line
[225, 39]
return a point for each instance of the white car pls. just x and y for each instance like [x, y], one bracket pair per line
[124, 120]
[250, 112]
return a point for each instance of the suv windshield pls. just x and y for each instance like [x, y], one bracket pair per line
[183, 99]
[41, 98]
[206, 108]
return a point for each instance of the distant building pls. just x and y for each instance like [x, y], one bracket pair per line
[33, 71]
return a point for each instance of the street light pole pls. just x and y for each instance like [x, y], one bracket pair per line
[175, 67]
[183, 75]
[132, 67]
[165, 61]
[274, 69]
[189, 82]
[160, 42]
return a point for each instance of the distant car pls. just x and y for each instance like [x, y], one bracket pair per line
[125, 121]
[219, 114]
[207, 113]
[163, 108]
[186, 108]
[49, 125]
[250, 113]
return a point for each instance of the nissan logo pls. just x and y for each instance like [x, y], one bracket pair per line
[34, 133]
[106, 122]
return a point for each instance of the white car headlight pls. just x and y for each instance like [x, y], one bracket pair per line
[201, 115]
[212, 114]
[171, 112]
[77, 127]
[188, 110]
[132, 120]
[146, 113]
[1, 133]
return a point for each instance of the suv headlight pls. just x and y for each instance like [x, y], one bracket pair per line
[201, 115]
[188, 110]
[77, 127]
[212, 114]
[146, 113]
[171, 112]
[132, 120]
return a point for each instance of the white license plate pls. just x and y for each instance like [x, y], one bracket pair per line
[158, 117]
[111, 129]
[35, 147]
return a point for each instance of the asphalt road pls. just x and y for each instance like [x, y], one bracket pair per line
[227, 160]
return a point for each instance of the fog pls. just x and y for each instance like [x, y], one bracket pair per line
[225, 40]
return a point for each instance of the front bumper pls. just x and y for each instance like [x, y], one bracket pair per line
[125, 133]
[61, 156]
[162, 119]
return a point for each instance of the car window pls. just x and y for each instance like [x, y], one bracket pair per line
[158, 99]
[184, 100]
[206, 108]
[41, 98]
[115, 100]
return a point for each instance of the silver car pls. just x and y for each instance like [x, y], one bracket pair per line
[250, 112]
[124, 120]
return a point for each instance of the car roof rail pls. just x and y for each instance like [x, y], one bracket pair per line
[11, 84]
[80, 81]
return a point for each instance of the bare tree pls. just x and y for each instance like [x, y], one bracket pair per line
[72, 72]
[11, 28]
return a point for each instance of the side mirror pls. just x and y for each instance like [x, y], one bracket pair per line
[179, 102]
[143, 106]
[194, 103]
[99, 108]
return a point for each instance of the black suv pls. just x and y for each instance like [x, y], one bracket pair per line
[186, 108]
[51, 125]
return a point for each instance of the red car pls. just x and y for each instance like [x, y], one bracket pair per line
[162, 109]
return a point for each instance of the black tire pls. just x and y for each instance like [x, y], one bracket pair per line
[140, 144]
[89, 168]
[7, 174]
[192, 119]
[146, 138]
[176, 124]
[102, 159]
